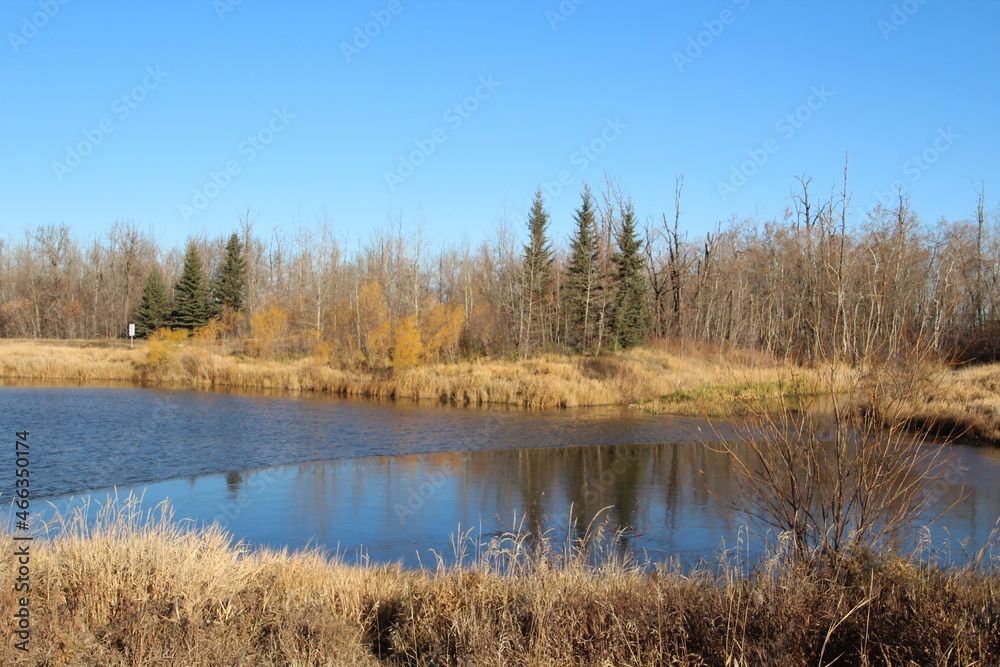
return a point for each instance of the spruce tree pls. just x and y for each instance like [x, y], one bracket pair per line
[581, 274]
[191, 307]
[631, 308]
[227, 291]
[154, 309]
[537, 273]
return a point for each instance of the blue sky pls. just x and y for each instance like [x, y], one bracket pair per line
[180, 115]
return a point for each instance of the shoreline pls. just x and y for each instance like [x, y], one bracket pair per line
[134, 588]
[654, 380]
[961, 402]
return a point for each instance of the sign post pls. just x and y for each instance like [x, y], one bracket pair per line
[131, 334]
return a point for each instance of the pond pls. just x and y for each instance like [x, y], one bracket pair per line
[391, 481]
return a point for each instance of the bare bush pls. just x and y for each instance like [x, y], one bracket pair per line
[852, 478]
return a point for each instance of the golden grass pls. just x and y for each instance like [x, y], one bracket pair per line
[68, 360]
[137, 588]
[701, 382]
[660, 380]
[963, 402]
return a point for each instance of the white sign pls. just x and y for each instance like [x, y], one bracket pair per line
[131, 330]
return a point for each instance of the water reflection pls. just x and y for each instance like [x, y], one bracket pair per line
[673, 500]
[95, 437]
[397, 479]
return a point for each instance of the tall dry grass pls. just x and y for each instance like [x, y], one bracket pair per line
[658, 379]
[964, 401]
[80, 361]
[135, 588]
[702, 381]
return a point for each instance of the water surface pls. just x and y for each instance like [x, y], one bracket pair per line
[394, 481]
[95, 437]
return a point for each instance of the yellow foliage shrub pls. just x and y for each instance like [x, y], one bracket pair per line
[322, 352]
[377, 344]
[209, 334]
[406, 348]
[266, 328]
[163, 344]
[442, 330]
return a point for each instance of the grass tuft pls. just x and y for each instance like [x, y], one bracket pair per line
[120, 586]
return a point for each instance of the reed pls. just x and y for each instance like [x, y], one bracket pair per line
[963, 402]
[701, 382]
[656, 378]
[129, 587]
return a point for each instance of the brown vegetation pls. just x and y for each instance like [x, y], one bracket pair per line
[137, 589]
[700, 382]
[964, 402]
[657, 379]
[851, 478]
[807, 287]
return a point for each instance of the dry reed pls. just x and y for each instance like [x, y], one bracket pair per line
[700, 382]
[658, 379]
[135, 587]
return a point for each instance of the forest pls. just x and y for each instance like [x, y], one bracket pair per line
[810, 286]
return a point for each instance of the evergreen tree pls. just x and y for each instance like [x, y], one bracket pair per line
[581, 274]
[191, 307]
[154, 308]
[227, 291]
[631, 309]
[537, 274]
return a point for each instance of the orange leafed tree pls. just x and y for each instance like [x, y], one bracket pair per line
[407, 347]
[377, 344]
[374, 331]
[267, 328]
[442, 330]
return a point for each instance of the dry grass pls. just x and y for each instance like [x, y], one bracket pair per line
[964, 402]
[139, 589]
[700, 382]
[81, 361]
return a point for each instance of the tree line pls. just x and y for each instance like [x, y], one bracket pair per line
[808, 286]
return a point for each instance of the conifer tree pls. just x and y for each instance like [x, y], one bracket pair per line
[537, 275]
[631, 309]
[227, 291]
[581, 274]
[191, 307]
[154, 308]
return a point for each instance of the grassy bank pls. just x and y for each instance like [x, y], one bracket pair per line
[962, 402]
[139, 590]
[698, 382]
